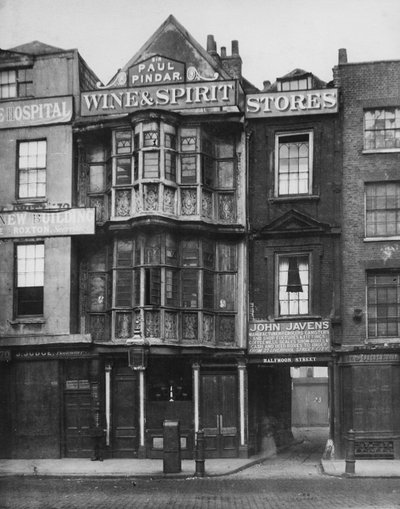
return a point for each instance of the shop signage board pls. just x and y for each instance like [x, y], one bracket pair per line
[35, 112]
[286, 104]
[311, 336]
[168, 97]
[52, 354]
[46, 223]
[156, 69]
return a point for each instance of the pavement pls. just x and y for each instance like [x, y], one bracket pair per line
[149, 468]
[302, 458]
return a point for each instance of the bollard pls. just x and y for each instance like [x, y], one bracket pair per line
[200, 454]
[350, 456]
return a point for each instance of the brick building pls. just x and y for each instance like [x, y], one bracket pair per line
[369, 362]
[294, 253]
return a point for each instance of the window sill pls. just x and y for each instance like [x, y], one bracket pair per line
[291, 318]
[281, 199]
[381, 151]
[382, 239]
[28, 320]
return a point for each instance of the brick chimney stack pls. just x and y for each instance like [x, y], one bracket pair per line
[232, 64]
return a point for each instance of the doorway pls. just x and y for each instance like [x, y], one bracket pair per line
[124, 427]
[218, 415]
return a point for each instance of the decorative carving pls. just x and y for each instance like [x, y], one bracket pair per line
[171, 326]
[193, 74]
[208, 328]
[189, 326]
[169, 200]
[123, 203]
[375, 449]
[152, 324]
[226, 208]
[97, 202]
[151, 197]
[189, 202]
[226, 329]
[124, 325]
[206, 204]
[119, 81]
[138, 200]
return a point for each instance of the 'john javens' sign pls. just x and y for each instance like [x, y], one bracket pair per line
[289, 337]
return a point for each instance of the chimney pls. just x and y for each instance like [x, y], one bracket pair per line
[342, 56]
[235, 48]
[266, 85]
[211, 46]
[233, 64]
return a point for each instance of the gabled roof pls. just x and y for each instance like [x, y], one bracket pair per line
[294, 222]
[36, 48]
[174, 41]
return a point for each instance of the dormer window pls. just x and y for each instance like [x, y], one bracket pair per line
[287, 85]
[15, 83]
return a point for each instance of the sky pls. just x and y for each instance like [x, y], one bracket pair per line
[275, 36]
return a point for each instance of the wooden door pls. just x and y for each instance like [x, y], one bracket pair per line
[36, 410]
[310, 402]
[219, 414]
[78, 440]
[124, 431]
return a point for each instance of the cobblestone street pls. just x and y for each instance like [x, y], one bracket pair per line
[233, 492]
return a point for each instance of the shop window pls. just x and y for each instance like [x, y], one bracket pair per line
[383, 299]
[294, 163]
[16, 83]
[382, 209]
[32, 169]
[29, 279]
[169, 381]
[382, 129]
[293, 285]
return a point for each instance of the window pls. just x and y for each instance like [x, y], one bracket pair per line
[8, 84]
[383, 296]
[293, 285]
[382, 129]
[16, 83]
[29, 279]
[32, 169]
[293, 163]
[382, 206]
[295, 84]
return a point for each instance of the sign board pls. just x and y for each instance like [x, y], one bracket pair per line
[156, 69]
[34, 112]
[168, 97]
[52, 354]
[303, 102]
[46, 223]
[289, 337]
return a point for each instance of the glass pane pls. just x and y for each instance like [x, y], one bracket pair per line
[96, 178]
